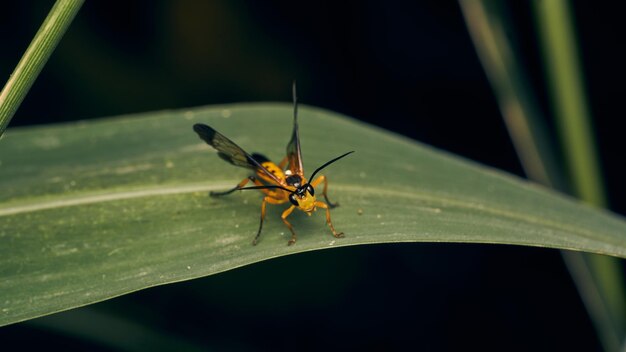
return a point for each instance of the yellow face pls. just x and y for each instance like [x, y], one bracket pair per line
[304, 199]
[306, 203]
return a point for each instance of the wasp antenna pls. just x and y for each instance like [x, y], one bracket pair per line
[295, 100]
[328, 163]
[266, 187]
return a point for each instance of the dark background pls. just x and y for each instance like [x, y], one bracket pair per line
[409, 67]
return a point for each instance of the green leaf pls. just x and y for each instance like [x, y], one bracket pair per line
[94, 210]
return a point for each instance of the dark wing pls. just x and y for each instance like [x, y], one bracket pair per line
[229, 151]
[294, 155]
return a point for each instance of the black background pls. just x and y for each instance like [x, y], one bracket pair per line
[409, 67]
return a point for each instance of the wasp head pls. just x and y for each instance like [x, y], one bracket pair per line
[304, 198]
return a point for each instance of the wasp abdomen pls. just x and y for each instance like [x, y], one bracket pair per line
[273, 169]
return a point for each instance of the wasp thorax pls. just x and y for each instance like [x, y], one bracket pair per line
[294, 180]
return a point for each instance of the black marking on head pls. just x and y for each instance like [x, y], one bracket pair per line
[309, 188]
[294, 180]
[293, 200]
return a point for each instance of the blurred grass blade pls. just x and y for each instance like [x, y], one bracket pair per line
[94, 210]
[486, 21]
[35, 57]
[565, 77]
[595, 278]
[517, 104]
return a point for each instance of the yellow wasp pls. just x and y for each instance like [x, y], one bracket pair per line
[278, 186]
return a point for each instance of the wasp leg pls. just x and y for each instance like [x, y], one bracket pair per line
[267, 199]
[286, 213]
[239, 186]
[330, 223]
[316, 182]
[258, 233]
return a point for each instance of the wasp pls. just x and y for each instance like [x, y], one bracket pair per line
[280, 183]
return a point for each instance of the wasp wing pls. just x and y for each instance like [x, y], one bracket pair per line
[231, 152]
[294, 155]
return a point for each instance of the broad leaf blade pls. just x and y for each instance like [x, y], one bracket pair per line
[94, 210]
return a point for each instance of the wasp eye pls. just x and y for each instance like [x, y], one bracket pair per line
[310, 189]
[293, 200]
